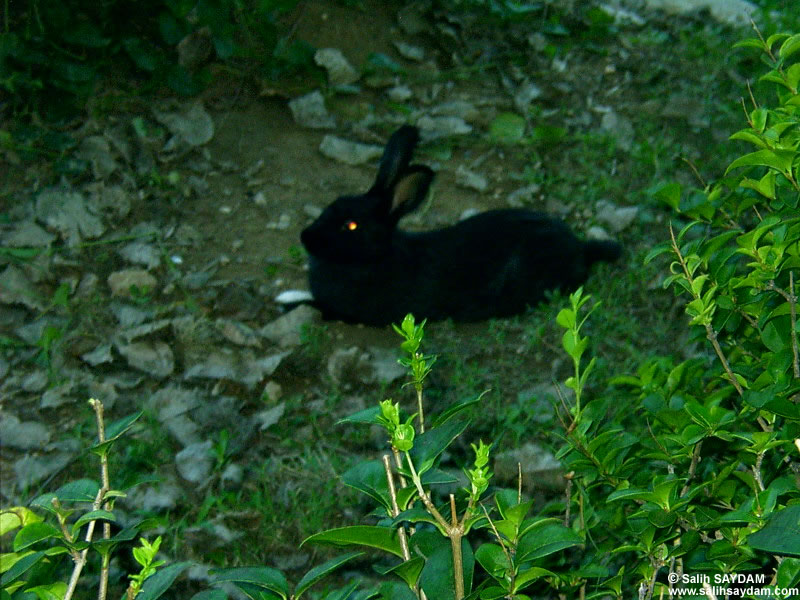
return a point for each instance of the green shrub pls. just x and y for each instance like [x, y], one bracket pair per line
[695, 473]
[53, 52]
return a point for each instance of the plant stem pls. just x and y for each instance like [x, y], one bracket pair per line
[454, 530]
[419, 409]
[401, 531]
[710, 333]
[791, 298]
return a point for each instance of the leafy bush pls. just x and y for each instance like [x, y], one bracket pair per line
[707, 486]
[52, 53]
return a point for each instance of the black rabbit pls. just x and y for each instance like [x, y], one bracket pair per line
[363, 269]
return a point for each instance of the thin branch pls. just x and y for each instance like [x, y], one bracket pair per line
[401, 531]
[710, 333]
[98, 502]
[791, 298]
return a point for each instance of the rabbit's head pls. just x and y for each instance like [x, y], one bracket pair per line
[359, 229]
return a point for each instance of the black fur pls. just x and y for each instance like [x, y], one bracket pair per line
[365, 270]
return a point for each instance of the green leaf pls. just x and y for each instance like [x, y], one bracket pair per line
[158, 583]
[507, 128]
[33, 534]
[369, 477]
[258, 578]
[15, 517]
[788, 574]
[20, 567]
[781, 534]
[669, 193]
[493, 560]
[750, 43]
[409, 570]
[527, 576]
[322, 571]
[429, 445]
[764, 186]
[50, 591]
[456, 409]
[775, 159]
[381, 538]
[102, 515]
[748, 136]
[368, 416]
[789, 46]
[545, 538]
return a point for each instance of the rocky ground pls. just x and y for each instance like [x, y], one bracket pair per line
[141, 267]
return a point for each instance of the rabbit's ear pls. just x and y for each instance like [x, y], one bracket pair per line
[410, 191]
[396, 156]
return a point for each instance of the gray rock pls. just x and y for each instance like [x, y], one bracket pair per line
[35, 382]
[238, 333]
[286, 330]
[272, 391]
[16, 288]
[110, 200]
[65, 212]
[340, 71]
[399, 93]
[432, 128]
[271, 416]
[173, 406]
[232, 477]
[96, 150]
[540, 468]
[620, 128]
[597, 233]
[526, 93]
[98, 356]
[121, 282]
[468, 212]
[32, 332]
[192, 126]
[617, 218]
[22, 435]
[141, 253]
[456, 108]
[159, 498]
[350, 366]
[523, 196]
[194, 462]
[28, 234]
[732, 12]
[309, 111]
[87, 285]
[409, 51]
[351, 153]
[30, 470]
[60, 395]
[130, 316]
[282, 224]
[234, 364]
[312, 210]
[385, 368]
[470, 179]
[154, 358]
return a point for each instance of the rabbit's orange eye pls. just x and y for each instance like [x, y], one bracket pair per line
[351, 226]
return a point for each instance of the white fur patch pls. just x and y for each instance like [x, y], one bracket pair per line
[293, 297]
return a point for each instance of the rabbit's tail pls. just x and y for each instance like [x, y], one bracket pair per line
[601, 251]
